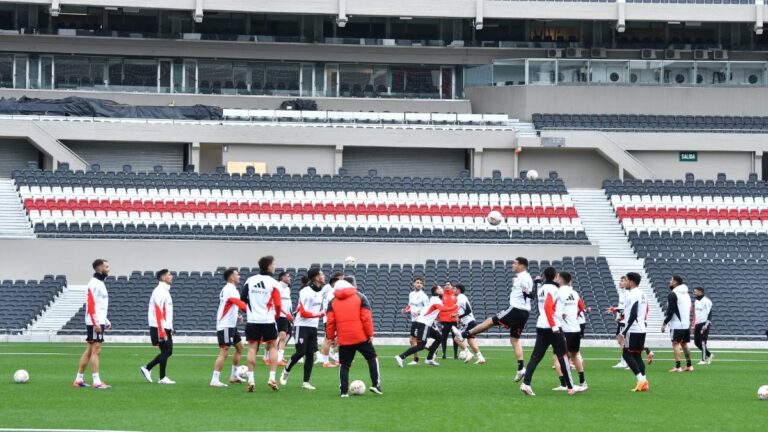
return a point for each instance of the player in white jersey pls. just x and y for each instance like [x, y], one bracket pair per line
[327, 355]
[702, 321]
[417, 300]
[549, 333]
[467, 322]
[305, 327]
[425, 328]
[160, 321]
[261, 293]
[226, 327]
[618, 311]
[96, 323]
[632, 337]
[573, 309]
[283, 324]
[515, 316]
[678, 320]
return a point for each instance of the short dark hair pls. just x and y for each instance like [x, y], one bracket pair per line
[623, 277]
[434, 288]
[448, 281]
[461, 288]
[229, 272]
[304, 280]
[421, 278]
[351, 280]
[313, 272]
[282, 273]
[565, 276]
[550, 273]
[337, 276]
[161, 273]
[700, 289]
[678, 279]
[522, 260]
[634, 277]
[98, 262]
[265, 262]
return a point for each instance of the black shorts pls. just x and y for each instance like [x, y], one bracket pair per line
[261, 332]
[680, 336]
[155, 337]
[228, 337]
[584, 329]
[469, 326]
[91, 336]
[306, 339]
[619, 328]
[573, 342]
[412, 332]
[283, 325]
[514, 319]
[634, 342]
[423, 332]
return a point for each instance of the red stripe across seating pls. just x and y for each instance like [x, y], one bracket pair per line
[692, 213]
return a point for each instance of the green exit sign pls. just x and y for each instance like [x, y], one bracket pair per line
[689, 156]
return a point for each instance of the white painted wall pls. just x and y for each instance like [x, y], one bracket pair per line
[666, 164]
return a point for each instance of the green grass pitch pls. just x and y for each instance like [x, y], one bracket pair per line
[454, 396]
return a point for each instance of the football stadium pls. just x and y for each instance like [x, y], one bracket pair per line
[361, 215]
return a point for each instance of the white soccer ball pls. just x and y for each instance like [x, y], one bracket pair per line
[462, 354]
[532, 175]
[762, 392]
[349, 261]
[494, 218]
[242, 371]
[21, 376]
[357, 388]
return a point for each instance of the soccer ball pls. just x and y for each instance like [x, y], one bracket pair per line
[242, 371]
[532, 175]
[349, 261]
[357, 388]
[495, 218]
[762, 392]
[462, 355]
[21, 376]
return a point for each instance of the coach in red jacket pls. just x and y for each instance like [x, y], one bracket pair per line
[350, 322]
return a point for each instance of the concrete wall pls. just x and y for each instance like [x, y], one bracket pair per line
[736, 166]
[523, 101]
[497, 159]
[254, 102]
[578, 167]
[32, 258]
[295, 159]
[210, 157]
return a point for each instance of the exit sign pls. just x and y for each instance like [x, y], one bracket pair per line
[689, 156]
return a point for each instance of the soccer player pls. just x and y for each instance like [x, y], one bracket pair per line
[417, 300]
[573, 308]
[261, 293]
[305, 330]
[96, 323]
[226, 327]
[467, 320]
[702, 320]
[350, 323]
[618, 311]
[283, 325]
[160, 319]
[514, 317]
[425, 328]
[632, 337]
[548, 333]
[678, 319]
[447, 322]
[326, 356]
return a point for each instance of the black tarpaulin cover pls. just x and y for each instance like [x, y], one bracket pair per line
[82, 107]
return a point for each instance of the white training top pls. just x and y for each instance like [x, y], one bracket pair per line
[310, 301]
[466, 315]
[259, 292]
[681, 318]
[522, 285]
[550, 308]
[632, 297]
[97, 303]
[429, 314]
[570, 304]
[160, 311]
[285, 298]
[226, 315]
[417, 300]
[703, 308]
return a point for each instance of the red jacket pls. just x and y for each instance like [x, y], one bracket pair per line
[449, 300]
[350, 320]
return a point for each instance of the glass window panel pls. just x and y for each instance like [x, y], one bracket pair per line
[380, 80]
[70, 71]
[140, 75]
[478, 76]
[239, 79]
[257, 78]
[609, 72]
[572, 71]
[319, 80]
[214, 76]
[282, 79]
[446, 83]
[355, 80]
[190, 76]
[21, 72]
[679, 73]
[541, 72]
[165, 76]
[34, 72]
[711, 73]
[747, 74]
[97, 70]
[506, 73]
[6, 71]
[306, 79]
[46, 66]
[178, 75]
[645, 72]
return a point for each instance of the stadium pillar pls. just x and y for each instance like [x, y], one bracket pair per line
[338, 158]
[477, 162]
[194, 155]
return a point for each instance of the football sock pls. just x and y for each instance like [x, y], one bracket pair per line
[581, 378]
[271, 375]
[280, 355]
[677, 364]
[216, 375]
[96, 379]
[520, 365]
[563, 382]
[250, 376]
[234, 371]
[647, 350]
[688, 362]
[79, 377]
[640, 377]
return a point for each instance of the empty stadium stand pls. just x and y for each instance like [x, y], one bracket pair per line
[190, 205]
[713, 233]
[651, 123]
[196, 293]
[22, 301]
